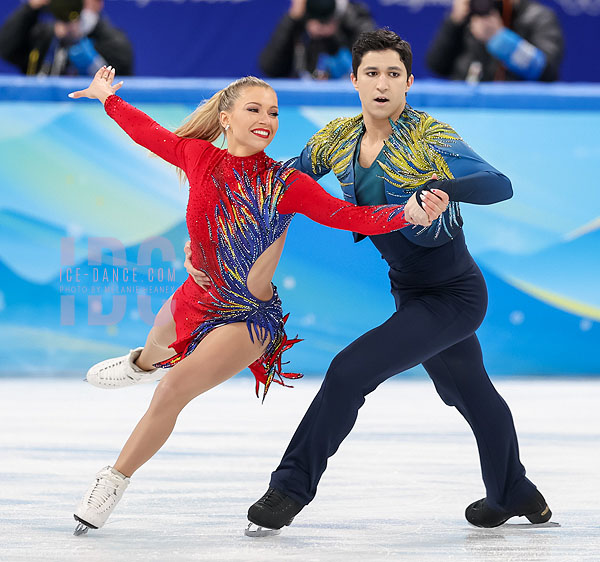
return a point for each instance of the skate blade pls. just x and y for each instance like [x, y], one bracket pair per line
[547, 524]
[81, 529]
[257, 531]
[518, 526]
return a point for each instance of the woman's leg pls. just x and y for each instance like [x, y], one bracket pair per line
[222, 353]
[138, 365]
[160, 337]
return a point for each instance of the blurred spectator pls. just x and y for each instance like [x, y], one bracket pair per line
[484, 40]
[315, 39]
[77, 40]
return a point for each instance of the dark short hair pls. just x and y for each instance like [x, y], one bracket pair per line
[381, 40]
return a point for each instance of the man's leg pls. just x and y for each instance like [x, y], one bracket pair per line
[398, 344]
[461, 380]
[420, 329]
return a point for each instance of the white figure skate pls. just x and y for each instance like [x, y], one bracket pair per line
[100, 500]
[121, 371]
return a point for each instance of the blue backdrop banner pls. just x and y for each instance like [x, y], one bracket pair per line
[225, 37]
[92, 229]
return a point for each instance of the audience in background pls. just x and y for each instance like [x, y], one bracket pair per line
[314, 39]
[485, 40]
[77, 39]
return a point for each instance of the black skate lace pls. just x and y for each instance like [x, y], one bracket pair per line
[272, 498]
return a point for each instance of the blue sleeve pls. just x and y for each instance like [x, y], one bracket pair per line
[338, 65]
[517, 54]
[475, 181]
[304, 163]
[85, 58]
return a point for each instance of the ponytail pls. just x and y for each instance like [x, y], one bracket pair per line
[204, 123]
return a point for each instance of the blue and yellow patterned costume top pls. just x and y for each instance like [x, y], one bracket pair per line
[418, 147]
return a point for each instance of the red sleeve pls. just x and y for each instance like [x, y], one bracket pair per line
[306, 196]
[149, 134]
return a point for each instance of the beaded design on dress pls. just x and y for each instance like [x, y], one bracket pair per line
[246, 223]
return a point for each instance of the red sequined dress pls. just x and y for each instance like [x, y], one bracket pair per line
[237, 207]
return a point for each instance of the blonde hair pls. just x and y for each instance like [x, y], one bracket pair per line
[204, 123]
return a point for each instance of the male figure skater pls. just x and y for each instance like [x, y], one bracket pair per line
[386, 155]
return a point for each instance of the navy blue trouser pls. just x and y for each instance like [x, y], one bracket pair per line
[434, 326]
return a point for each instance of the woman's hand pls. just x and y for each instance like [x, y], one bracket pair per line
[433, 203]
[101, 86]
[414, 214]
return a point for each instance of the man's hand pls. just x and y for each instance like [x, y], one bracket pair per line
[483, 28]
[297, 9]
[460, 11]
[198, 276]
[37, 4]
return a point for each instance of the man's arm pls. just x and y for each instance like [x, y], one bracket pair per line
[445, 48]
[548, 37]
[480, 188]
[356, 20]
[546, 34]
[475, 180]
[429, 207]
[448, 41]
[304, 164]
[15, 33]
[306, 196]
[114, 47]
[532, 50]
[277, 58]
[468, 178]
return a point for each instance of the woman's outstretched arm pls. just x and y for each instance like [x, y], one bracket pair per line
[139, 126]
[306, 196]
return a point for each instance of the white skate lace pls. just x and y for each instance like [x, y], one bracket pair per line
[108, 375]
[111, 366]
[103, 490]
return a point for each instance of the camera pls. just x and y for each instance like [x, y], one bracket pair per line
[65, 10]
[484, 7]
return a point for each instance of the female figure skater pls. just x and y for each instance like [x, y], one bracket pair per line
[240, 205]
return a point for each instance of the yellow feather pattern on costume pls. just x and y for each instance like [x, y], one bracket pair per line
[333, 146]
[413, 151]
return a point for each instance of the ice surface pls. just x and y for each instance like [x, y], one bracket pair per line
[396, 490]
